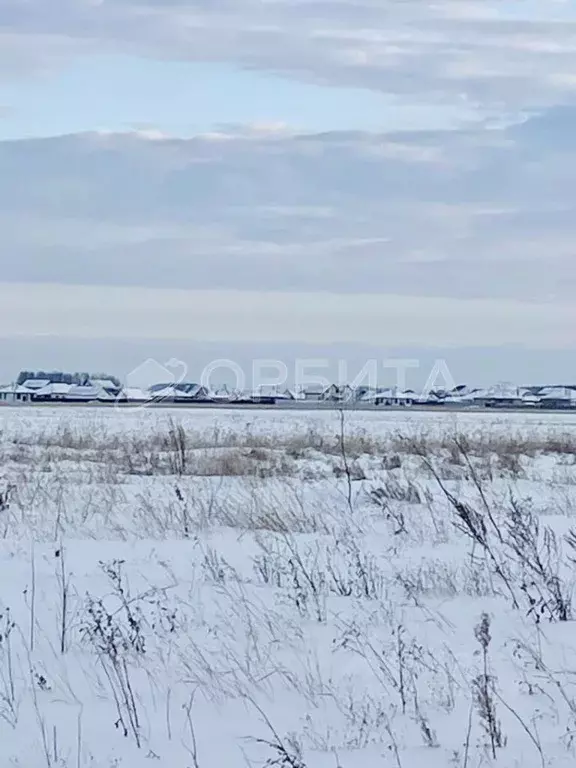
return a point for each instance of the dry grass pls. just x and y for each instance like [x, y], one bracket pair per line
[170, 439]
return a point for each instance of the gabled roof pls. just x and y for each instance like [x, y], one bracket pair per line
[293, 394]
[172, 391]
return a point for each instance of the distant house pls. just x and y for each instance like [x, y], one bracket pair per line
[91, 393]
[270, 394]
[263, 399]
[431, 398]
[293, 395]
[179, 392]
[52, 392]
[107, 389]
[106, 384]
[459, 397]
[132, 395]
[530, 400]
[222, 395]
[313, 393]
[338, 393]
[558, 398]
[360, 393]
[267, 395]
[15, 393]
[500, 396]
[393, 396]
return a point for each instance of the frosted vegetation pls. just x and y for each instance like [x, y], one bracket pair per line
[196, 590]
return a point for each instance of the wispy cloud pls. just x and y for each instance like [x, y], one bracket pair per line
[493, 52]
[470, 213]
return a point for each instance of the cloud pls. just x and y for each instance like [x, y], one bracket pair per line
[52, 310]
[494, 53]
[475, 213]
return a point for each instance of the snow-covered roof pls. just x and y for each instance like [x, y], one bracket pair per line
[104, 383]
[559, 393]
[168, 392]
[36, 383]
[84, 392]
[375, 394]
[405, 396]
[294, 394]
[172, 391]
[16, 389]
[221, 395]
[463, 399]
[503, 391]
[528, 398]
[54, 388]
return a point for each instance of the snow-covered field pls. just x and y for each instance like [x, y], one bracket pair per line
[207, 588]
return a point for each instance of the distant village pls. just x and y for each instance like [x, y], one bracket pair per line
[64, 388]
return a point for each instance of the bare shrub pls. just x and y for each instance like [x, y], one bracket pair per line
[438, 578]
[286, 752]
[112, 644]
[6, 496]
[353, 572]
[537, 553]
[510, 464]
[8, 700]
[391, 462]
[117, 634]
[484, 687]
[394, 490]
[178, 448]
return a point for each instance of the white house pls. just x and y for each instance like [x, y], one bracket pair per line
[52, 392]
[313, 393]
[89, 393]
[338, 393]
[15, 393]
[393, 396]
[557, 397]
[179, 392]
[502, 395]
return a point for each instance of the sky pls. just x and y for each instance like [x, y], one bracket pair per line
[289, 179]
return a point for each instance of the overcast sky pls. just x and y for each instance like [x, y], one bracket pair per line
[289, 178]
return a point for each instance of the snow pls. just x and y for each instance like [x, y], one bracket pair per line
[292, 589]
